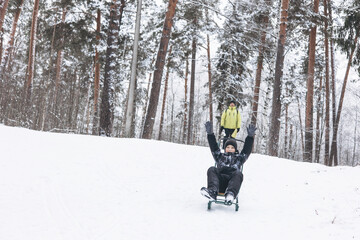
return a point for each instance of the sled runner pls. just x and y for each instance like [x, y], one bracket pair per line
[221, 200]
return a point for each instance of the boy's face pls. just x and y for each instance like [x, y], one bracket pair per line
[232, 105]
[230, 149]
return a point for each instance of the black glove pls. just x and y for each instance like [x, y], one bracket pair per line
[251, 130]
[209, 127]
[221, 129]
[238, 129]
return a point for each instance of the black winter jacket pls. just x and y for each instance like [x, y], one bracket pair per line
[230, 161]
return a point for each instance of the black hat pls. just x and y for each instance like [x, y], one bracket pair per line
[232, 101]
[231, 142]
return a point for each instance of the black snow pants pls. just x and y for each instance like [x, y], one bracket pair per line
[224, 181]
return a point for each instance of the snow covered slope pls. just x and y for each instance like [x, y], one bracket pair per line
[73, 187]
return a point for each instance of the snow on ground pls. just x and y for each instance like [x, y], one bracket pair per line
[74, 187]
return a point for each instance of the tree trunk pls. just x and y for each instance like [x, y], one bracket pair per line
[286, 148]
[107, 98]
[3, 8]
[122, 6]
[290, 156]
[159, 68]
[192, 92]
[172, 125]
[276, 101]
[59, 62]
[209, 70]
[338, 115]
[12, 37]
[355, 138]
[185, 101]
[164, 96]
[310, 92]
[301, 130]
[48, 104]
[129, 123]
[259, 68]
[318, 115]
[210, 83]
[95, 129]
[1, 49]
[327, 89]
[146, 102]
[31, 61]
[333, 87]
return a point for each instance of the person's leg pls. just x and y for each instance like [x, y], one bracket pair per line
[228, 132]
[235, 181]
[213, 179]
[224, 182]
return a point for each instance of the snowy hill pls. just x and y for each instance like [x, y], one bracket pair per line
[73, 187]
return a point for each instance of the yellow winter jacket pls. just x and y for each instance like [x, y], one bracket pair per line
[231, 118]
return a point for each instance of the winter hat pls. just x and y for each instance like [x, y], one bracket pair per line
[231, 142]
[232, 101]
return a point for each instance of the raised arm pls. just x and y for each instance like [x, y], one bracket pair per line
[249, 141]
[215, 150]
[212, 143]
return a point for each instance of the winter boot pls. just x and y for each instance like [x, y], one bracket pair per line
[229, 198]
[211, 194]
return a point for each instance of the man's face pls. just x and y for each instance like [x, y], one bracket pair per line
[232, 105]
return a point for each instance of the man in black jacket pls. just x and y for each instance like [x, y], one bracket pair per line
[226, 176]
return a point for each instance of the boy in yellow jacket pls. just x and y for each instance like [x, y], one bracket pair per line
[230, 121]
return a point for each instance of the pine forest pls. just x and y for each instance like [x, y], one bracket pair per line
[161, 69]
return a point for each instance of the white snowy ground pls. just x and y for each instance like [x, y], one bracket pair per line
[73, 187]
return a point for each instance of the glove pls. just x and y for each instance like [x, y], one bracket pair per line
[221, 129]
[251, 130]
[209, 127]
